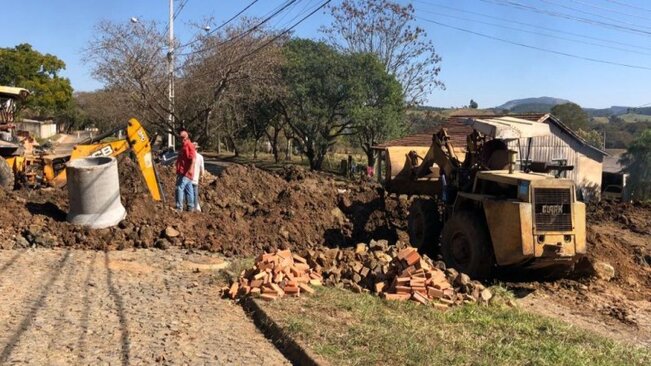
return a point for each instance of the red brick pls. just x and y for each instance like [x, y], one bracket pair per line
[434, 293]
[306, 288]
[418, 297]
[398, 297]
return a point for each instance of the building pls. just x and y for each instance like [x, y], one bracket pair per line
[37, 129]
[614, 180]
[562, 146]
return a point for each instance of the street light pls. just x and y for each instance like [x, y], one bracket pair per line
[134, 20]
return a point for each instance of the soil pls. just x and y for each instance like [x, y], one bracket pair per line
[618, 234]
[245, 210]
[143, 307]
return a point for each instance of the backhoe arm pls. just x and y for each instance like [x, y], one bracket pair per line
[137, 141]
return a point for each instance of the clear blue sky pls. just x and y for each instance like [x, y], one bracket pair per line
[487, 70]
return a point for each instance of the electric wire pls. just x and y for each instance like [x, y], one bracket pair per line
[536, 47]
[537, 10]
[537, 27]
[539, 33]
[243, 33]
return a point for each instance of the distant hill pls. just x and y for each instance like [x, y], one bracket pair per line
[540, 104]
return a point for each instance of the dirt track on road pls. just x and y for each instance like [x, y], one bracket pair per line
[126, 307]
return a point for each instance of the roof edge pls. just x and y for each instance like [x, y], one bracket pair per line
[571, 132]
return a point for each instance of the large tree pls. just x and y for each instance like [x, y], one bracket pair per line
[23, 66]
[572, 115]
[378, 108]
[318, 97]
[637, 162]
[217, 72]
[387, 29]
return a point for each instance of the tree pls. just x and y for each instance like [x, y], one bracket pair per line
[386, 29]
[24, 67]
[593, 137]
[637, 162]
[473, 104]
[318, 95]
[378, 108]
[130, 60]
[572, 115]
[217, 73]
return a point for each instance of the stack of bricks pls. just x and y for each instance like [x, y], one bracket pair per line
[396, 273]
[275, 275]
[417, 280]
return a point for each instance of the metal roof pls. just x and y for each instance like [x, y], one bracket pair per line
[458, 130]
[508, 128]
[12, 92]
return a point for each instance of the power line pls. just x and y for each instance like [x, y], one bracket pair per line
[273, 39]
[244, 33]
[568, 16]
[224, 23]
[592, 14]
[610, 10]
[537, 26]
[539, 34]
[627, 5]
[537, 48]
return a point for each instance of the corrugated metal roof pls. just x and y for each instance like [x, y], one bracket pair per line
[458, 130]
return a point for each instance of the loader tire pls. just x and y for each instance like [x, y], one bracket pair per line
[466, 245]
[424, 225]
[6, 176]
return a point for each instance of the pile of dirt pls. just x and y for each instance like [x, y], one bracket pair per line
[245, 210]
[618, 240]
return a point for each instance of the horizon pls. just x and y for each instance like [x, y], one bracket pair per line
[482, 62]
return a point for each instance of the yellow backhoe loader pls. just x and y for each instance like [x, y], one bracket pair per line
[49, 169]
[484, 214]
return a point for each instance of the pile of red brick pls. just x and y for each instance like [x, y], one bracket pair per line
[396, 273]
[275, 275]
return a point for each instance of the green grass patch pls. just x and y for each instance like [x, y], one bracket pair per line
[361, 329]
[229, 274]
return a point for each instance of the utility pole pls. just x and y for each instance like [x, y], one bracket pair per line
[170, 71]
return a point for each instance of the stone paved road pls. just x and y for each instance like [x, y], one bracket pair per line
[125, 307]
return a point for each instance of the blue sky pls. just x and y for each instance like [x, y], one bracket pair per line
[474, 66]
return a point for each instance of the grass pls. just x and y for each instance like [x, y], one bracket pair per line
[361, 329]
[225, 276]
[634, 117]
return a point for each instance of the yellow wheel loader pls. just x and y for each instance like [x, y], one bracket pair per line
[481, 212]
[39, 168]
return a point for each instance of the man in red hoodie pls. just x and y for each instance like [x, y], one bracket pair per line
[185, 172]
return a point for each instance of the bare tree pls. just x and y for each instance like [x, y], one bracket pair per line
[217, 71]
[223, 73]
[386, 29]
[130, 60]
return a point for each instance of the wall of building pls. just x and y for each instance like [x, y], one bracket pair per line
[559, 144]
[38, 129]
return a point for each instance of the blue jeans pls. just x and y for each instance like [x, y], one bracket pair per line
[184, 189]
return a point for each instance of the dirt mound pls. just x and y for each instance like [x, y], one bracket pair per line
[619, 234]
[244, 210]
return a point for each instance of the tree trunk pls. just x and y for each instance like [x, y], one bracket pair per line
[288, 153]
[370, 154]
[255, 149]
[274, 145]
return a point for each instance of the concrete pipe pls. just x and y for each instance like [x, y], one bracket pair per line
[94, 192]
